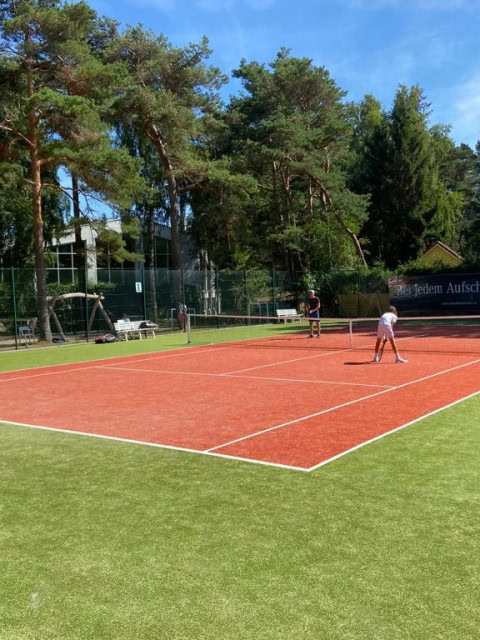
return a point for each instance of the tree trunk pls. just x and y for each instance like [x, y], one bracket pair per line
[79, 248]
[174, 209]
[152, 265]
[39, 248]
[174, 218]
[327, 201]
[38, 238]
[354, 239]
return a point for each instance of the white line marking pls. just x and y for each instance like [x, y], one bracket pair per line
[167, 371]
[319, 355]
[345, 404]
[274, 364]
[50, 373]
[387, 433]
[171, 355]
[228, 375]
[185, 350]
[94, 366]
[347, 384]
[153, 444]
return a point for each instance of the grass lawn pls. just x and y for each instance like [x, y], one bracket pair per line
[108, 540]
[64, 354]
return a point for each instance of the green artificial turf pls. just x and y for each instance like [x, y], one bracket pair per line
[64, 354]
[107, 540]
[104, 540]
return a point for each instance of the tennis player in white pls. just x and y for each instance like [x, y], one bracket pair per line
[385, 333]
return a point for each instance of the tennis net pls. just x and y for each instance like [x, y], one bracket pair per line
[436, 334]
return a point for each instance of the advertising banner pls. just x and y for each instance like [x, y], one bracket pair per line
[436, 294]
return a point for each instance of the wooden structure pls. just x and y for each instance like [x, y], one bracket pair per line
[97, 306]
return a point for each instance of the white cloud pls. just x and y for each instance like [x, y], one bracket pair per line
[167, 6]
[228, 5]
[408, 61]
[424, 5]
[447, 5]
[209, 6]
[466, 122]
[373, 4]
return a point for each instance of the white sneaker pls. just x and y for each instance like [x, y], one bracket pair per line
[399, 359]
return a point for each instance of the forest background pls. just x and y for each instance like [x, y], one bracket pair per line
[289, 174]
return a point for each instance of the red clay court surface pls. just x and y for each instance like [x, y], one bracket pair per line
[282, 407]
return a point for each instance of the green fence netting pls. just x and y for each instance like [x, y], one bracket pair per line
[154, 294]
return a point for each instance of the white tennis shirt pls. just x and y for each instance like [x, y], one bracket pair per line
[388, 319]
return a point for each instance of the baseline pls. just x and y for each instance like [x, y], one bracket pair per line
[387, 433]
[321, 438]
[344, 404]
[153, 444]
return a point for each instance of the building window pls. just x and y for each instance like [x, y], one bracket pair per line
[162, 253]
[65, 266]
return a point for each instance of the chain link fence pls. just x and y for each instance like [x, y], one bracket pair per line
[155, 294]
[81, 309]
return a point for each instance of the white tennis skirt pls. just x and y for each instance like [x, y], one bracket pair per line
[384, 331]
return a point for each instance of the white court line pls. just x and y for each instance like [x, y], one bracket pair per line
[185, 350]
[319, 355]
[153, 444]
[387, 433]
[94, 366]
[227, 375]
[348, 384]
[341, 406]
[274, 364]
[158, 356]
[231, 457]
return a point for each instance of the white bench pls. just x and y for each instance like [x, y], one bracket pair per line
[127, 328]
[288, 314]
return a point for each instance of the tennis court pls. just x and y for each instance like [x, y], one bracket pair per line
[272, 396]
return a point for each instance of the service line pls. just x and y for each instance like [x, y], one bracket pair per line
[341, 406]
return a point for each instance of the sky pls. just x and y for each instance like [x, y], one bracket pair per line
[368, 46]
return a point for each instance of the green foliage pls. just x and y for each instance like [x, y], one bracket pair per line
[48, 70]
[288, 174]
[290, 130]
[111, 246]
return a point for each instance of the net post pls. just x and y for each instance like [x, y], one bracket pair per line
[350, 331]
[188, 328]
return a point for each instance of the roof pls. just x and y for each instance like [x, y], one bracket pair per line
[445, 248]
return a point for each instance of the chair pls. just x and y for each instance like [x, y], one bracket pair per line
[25, 333]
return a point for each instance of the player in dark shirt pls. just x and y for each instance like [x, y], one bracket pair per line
[314, 312]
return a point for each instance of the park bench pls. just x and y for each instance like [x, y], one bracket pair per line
[127, 328]
[285, 315]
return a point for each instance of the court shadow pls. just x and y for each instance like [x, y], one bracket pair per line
[352, 364]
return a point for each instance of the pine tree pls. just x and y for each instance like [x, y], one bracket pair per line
[400, 172]
[293, 134]
[50, 106]
[172, 91]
